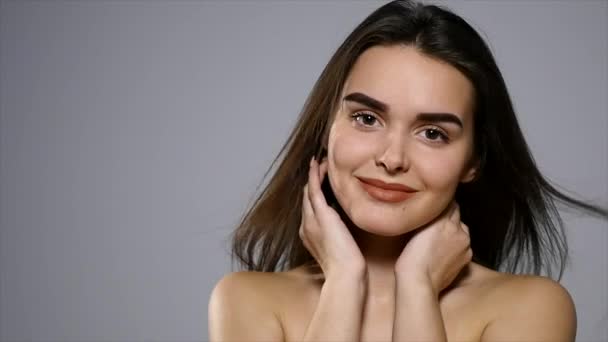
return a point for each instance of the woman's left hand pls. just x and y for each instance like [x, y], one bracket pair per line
[437, 252]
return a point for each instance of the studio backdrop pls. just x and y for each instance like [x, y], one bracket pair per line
[133, 135]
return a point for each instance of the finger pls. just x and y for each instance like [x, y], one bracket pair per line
[455, 217]
[310, 224]
[314, 187]
[302, 234]
[308, 215]
[469, 255]
[305, 241]
[301, 230]
[465, 228]
[307, 210]
[322, 170]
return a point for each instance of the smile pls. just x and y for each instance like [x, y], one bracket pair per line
[380, 192]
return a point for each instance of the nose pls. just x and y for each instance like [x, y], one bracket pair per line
[392, 156]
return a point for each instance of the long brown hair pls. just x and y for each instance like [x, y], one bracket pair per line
[509, 208]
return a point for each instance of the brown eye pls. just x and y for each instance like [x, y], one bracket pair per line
[435, 135]
[432, 134]
[364, 119]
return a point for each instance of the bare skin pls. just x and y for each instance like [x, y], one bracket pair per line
[484, 305]
[396, 270]
[464, 306]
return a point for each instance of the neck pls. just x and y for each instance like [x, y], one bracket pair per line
[379, 251]
[381, 254]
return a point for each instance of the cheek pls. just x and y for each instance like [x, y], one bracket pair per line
[347, 148]
[442, 170]
[347, 152]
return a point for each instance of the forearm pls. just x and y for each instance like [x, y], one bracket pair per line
[417, 313]
[339, 311]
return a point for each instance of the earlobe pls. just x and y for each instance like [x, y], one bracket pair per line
[471, 174]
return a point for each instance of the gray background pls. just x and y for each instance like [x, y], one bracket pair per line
[134, 133]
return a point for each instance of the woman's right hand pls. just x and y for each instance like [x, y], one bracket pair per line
[323, 232]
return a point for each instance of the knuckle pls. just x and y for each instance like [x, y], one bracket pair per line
[466, 237]
[469, 254]
[304, 228]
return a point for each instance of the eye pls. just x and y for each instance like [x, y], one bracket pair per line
[435, 134]
[364, 118]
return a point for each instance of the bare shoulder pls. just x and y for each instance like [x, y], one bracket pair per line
[266, 285]
[243, 306]
[532, 289]
[526, 308]
[244, 283]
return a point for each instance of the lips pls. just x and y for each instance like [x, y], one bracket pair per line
[386, 192]
[387, 186]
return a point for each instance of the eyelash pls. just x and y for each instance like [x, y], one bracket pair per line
[442, 135]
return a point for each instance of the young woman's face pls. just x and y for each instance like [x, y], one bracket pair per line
[404, 118]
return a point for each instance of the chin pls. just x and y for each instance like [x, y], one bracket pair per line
[383, 226]
[382, 232]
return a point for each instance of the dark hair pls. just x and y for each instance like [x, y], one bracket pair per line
[510, 208]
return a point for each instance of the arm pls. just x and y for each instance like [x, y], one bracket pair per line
[339, 311]
[429, 263]
[238, 311]
[533, 309]
[417, 314]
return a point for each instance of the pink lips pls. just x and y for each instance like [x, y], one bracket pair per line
[386, 192]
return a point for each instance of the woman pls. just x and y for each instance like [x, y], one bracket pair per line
[405, 202]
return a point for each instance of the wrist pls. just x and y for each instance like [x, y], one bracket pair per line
[351, 275]
[415, 282]
[349, 271]
[347, 283]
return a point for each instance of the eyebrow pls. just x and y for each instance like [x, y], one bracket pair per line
[383, 107]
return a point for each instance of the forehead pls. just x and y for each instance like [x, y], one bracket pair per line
[411, 82]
